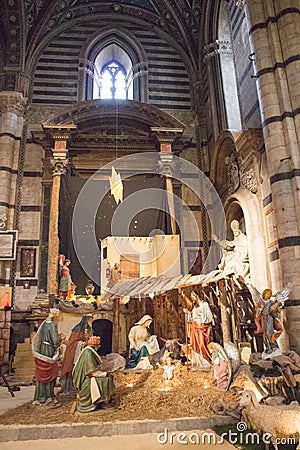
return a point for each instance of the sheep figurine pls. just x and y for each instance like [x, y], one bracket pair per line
[281, 421]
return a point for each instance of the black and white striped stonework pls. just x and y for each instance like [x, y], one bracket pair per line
[56, 76]
[244, 68]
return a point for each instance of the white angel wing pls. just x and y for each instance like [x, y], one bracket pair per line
[254, 292]
[283, 295]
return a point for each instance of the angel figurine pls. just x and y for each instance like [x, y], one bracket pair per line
[267, 311]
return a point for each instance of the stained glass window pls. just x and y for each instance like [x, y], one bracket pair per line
[112, 81]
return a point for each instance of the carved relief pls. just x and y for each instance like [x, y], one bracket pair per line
[249, 181]
[32, 10]
[90, 110]
[63, 12]
[39, 113]
[238, 175]
[233, 178]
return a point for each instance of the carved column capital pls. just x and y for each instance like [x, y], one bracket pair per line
[166, 137]
[166, 164]
[218, 47]
[59, 166]
[12, 102]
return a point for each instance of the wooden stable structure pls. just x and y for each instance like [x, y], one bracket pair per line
[164, 299]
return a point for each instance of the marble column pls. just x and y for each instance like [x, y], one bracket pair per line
[167, 168]
[275, 39]
[211, 59]
[58, 168]
[59, 134]
[167, 165]
[12, 108]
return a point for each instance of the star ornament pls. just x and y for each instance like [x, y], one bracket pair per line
[116, 186]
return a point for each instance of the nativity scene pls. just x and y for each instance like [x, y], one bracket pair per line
[149, 212]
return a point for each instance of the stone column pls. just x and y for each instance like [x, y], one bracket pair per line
[58, 168]
[12, 108]
[167, 165]
[167, 168]
[275, 38]
[212, 59]
[60, 135]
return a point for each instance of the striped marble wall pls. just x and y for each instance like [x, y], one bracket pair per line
[56, 75]
[244, 68]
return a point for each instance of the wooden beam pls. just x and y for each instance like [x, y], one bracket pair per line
[225, 319]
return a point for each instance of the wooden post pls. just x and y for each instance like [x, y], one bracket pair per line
[143, 306]
[225, 319]
[236, 329]
[187, 328]
[116, 326]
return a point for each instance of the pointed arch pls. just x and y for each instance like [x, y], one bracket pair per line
[225, 146]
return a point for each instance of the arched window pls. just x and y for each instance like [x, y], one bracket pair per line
[113, 74]
[129, 60]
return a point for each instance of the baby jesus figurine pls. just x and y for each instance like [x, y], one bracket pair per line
[168, 369]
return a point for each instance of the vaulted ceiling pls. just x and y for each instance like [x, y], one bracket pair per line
[26, 26]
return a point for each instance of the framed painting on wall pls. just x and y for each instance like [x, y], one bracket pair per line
[28, 259]
[8, 244]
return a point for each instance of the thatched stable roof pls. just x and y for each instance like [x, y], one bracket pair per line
[150, 286]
